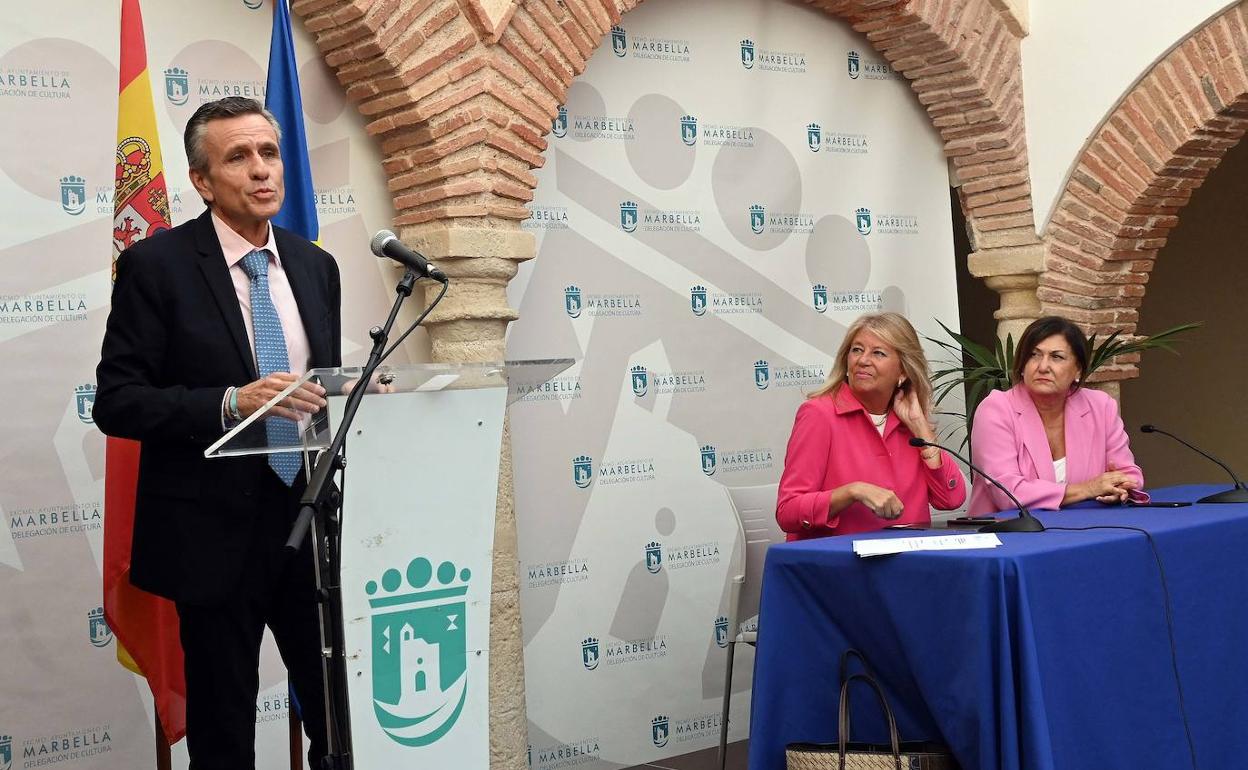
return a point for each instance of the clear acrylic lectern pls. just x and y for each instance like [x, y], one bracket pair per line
[419, 493]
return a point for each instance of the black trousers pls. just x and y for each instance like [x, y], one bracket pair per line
[222, 641]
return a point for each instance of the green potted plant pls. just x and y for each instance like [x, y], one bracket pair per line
[981, 369]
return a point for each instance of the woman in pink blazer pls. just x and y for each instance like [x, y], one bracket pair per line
[1047, 440]
[849, 466]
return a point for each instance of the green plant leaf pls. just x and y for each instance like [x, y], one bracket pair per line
[980, 369]
[969, 347]
[1009, 360]
[1113, 346]
[943, 391]
[949, 346]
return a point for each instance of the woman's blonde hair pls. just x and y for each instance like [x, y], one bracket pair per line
[897, 333]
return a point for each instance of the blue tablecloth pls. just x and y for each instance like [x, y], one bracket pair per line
[1049, 651]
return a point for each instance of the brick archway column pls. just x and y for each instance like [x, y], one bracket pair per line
[460, 95]
[962, 60]
[459, 139]
[1136, 174]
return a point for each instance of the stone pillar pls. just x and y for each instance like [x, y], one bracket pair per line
[1014, 273]
[469, 326]
[471, 321]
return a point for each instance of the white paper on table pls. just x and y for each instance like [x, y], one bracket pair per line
[885, 546]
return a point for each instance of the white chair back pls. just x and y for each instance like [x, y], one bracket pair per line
[755, 511]
[755, 508]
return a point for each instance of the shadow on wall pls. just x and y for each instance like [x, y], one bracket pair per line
[976, 302]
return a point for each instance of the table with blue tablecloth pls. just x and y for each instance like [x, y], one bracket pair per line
[1049, 651]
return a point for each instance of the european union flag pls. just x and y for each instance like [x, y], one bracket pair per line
[282, 98]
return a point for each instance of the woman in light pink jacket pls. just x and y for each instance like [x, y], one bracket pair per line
[1047, 440]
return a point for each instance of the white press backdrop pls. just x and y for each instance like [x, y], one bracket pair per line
[724, 193]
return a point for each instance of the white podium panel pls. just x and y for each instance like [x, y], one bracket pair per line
[420, 489]
[418, 532]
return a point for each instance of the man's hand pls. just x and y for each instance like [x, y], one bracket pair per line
[307, 399]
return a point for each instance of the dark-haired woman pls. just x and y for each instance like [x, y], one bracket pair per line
[1047, 440]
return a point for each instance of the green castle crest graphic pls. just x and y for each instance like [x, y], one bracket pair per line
[420, 657]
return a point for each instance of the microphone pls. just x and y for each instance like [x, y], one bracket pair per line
[387, 244]
[1237, 494]
[1025, 522]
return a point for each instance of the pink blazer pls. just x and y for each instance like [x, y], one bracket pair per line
[1008, 442]
[834, 443]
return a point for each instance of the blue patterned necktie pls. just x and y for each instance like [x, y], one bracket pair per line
[271, 356]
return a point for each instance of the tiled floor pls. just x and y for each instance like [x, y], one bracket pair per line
[703, 760]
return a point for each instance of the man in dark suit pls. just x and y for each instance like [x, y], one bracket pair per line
[209, 321]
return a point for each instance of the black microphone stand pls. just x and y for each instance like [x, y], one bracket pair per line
[320, 508]
[1236, 494]
[1024, 522]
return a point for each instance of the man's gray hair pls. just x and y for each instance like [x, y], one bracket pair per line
[229, 107]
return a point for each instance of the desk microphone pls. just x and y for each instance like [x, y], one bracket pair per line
[1237, 494]
[1025, 522]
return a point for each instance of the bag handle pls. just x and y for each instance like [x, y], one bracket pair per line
[849, 654]
[842, 733]
[862, 659]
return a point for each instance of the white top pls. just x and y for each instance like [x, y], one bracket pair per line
[1059, 470]
[880, 421]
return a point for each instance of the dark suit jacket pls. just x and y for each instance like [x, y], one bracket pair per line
[175, 341]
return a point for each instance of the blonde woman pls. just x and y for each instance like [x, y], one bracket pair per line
[849, 466]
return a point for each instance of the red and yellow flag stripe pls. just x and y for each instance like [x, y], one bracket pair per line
[146, 626]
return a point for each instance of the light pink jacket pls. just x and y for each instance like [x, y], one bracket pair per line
[1008, 442]
[833, 443]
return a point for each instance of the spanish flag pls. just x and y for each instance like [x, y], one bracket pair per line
[146, 626]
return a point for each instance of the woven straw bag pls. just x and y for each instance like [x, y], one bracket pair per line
[849, 755]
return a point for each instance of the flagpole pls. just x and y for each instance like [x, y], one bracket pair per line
[164, 760]
[296, 741]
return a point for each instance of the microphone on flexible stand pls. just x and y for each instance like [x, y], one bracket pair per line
[387, 244]
[1237, 494]
[1024, 522]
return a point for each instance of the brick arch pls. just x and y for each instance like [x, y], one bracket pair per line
[1136, 174]
[962, 60]
[460, 95]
